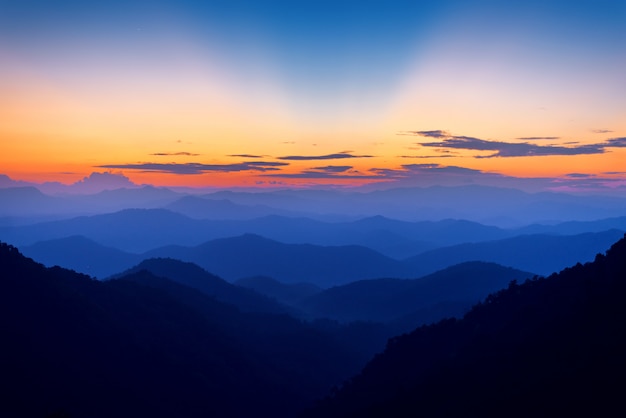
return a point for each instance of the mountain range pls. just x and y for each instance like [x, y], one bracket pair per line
[393, 300]
[546, 347]
[251, 255]
[484, 204]
[142, 345]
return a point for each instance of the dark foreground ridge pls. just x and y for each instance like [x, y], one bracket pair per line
[144, 346]
[553, 347]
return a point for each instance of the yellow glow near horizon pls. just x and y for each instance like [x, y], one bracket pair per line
[120, 104]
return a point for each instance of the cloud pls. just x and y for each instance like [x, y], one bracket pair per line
[333, 168]
[423, 170]
[427, 134]
[246, 156]
[427, 175]
[512, 149]
[308, 174]
[446, 155]
[579, 175]
[616, 142]
[337, 156]
[187, 154]
[197, 168]
[601, 131]
[433, 174]
[449, 169]
[326, 172]
[538, 138]
[106, 178]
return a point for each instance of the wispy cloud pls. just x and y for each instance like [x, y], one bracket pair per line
[338, 156]
[539, 138]
[246, 156]
[413, 170]
[424, 175]
[579, 175]
[601, 131]
[428, 134]
[616, 142]
[186, 154]
[333, 168]
[427, 156]
[197, 168]
[309, 174]
[513, 149]
[327, 172]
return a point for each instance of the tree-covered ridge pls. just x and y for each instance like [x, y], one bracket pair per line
[146, 346]
[547, 347]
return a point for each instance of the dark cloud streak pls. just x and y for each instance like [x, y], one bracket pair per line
[427, 134]
[307, 174]
[333, 168]
[426, 156]
[186, 154]
[197, 168]
[617, 142]
[539, 138]
[337, 156]
[514, 149]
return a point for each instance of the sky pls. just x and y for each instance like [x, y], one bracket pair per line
[309, 93]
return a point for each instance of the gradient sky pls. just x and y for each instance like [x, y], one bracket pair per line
[244, 93]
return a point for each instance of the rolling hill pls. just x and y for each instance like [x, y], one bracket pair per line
[250, 255]
[146, 346]
[548, 347]
[82, 255]
[541, 254]
[385, 300]
[193, 276]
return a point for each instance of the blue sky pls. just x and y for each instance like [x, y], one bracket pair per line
[231, 78]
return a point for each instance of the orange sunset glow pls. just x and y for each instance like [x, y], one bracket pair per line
[156, 97]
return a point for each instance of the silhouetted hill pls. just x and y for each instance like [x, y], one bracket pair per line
[191, 275]
[289, 263]
[250, 255]
[445, 231]
[548, 347]
[508, 207]
[146, 346]
[295, 352]
[221, 209]
[28, 201]
[575, 227]
[82, 255]
[31, 201]
[138, 230]
[101, 349]
[490, 205]
[541, 254]
[132, 230]
[384, 300]
[288, 293]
